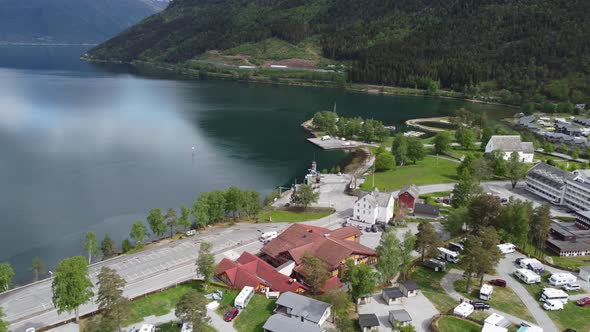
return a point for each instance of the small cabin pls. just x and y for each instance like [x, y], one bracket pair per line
[392, 295]
[409, 288]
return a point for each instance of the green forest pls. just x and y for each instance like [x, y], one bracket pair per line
[513, 50]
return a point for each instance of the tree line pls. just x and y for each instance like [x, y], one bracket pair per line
[352, 128]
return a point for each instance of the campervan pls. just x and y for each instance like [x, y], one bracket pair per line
[147, 328]
[552, 294]
[507, 248]
[527, 276]
[553, 305]
[532, 264]
[244, 297]
[448, 255]
[485, 293]
[456, 247]
[559, 279]
[268, 236]
[435, 264]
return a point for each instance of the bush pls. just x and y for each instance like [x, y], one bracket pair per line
[384, 162]
[126, 246]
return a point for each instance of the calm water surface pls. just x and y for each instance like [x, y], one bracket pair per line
[84, 148]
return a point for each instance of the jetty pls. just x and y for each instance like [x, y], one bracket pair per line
[417, 123]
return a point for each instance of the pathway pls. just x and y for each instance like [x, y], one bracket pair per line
[454, 275]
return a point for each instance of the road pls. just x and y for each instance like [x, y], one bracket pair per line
[166, 265]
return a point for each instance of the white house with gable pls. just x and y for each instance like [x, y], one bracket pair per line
[507, 144]
[374, 206]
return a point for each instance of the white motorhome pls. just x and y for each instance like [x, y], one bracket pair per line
[527, 276]
[448, 255]
[552, 305]
[560, 279]
[244, 297]
[268, 236]
[552, 294]
[147, 328]
[532, 264]
[507, 248]
[485, 293]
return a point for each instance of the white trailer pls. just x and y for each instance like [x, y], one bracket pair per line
[507, 248]
[527, 276]
[552, 294]
[532, 264]
[448, 255]
[244, 297]
[268, 236]
[560, 279]
[485, 293]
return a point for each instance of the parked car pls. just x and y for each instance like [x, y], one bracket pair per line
[368, 229]
[571, 287]
[583, 301]
[230, 315]
[553, 305]
[498, 282]
[478, 305]
[374, 228]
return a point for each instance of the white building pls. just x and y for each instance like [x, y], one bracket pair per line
[507, 144]
[560, 187]
[373, 207]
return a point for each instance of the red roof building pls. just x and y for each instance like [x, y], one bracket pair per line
[250, 270]
[332, 247]
[407, 197]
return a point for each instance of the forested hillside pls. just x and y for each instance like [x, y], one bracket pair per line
[71, 21]
[528, 47]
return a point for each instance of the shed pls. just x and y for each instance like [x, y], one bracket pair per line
[426, 211]
[369, 322]
[392, 295]
[409, 288]
[585, 273]
[402, 316]
[464, 309]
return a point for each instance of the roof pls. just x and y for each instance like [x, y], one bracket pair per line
[427, 209]
[301, 306]
[410, 189]
[368, 320]
[410, 285]
[526, 119]
[377, 198]
[393, 292]
[569, 245]
[346, 232]
[282, 323]
[509, 143]
[400, 315]
[550, 175]
[487, 327]
[497, 320]
[251, 270]
[331, 251]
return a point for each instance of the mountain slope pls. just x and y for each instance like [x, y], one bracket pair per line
[526, 46]
[71, 21]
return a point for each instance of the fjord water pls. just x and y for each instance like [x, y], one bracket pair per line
[86, 148]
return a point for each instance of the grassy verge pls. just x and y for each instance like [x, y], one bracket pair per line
[294, 214]
[456, 324]
[429, 282]
[503, 299]
[158, 304]
[572, 316]
[172, 327]
[258, 310]
[430, 170]
[571, 262]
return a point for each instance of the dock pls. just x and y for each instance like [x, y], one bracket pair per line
[334, 144]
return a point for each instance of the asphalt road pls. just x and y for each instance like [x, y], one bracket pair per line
[166, 265]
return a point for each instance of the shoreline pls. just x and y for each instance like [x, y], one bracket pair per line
[365, 88]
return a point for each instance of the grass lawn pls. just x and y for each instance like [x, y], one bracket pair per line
[426, 171]
[458, 152]
[172, 327]
[571, 262]
[572, 315]
[158, 304]
[429, 282]
[456, 324]
[295, 214]
[503, 299]
[258, 310]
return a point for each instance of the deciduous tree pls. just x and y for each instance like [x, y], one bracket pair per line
[427, 240]
[6, 275]
[464, 191]
[384, 162]
[540, 223]
[480, 169]
[362, 281]
[110, 297]
[3, 325]
[455, 223]
[37, 267]
[315, 272]
[108, 247]
[201, 210]
[192, 308]
[415, 150]
[514, 222]
[185, 217]
[465, 138]
[138, 233]
[71, 285]
[389, 251]
[156, 221]
[486, 135]
[406, 259]
[206, 261]
[399, 148]
[91, 245]
[483, 210]
[442, 142]
[515, 169]
[339, 300]
[304, 196]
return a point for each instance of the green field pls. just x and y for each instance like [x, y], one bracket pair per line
[503, 299]
[158, 304]
[429, 282]
[426, 171]
[253, 317]
[456, 324]
[294, 215]
[172, 327]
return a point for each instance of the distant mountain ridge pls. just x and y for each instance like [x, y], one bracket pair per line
[71, 21]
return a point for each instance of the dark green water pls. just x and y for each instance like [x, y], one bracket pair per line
[84, 148]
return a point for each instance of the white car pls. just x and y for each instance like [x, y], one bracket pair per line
[571, 287]
[552, 305]
[191, 232]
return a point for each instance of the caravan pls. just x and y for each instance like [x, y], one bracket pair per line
[244, 297]
[507, 248]
[485, 293]
[532, 264]
[559, 279]
[456, 247]
[552, 294]
[448, 255]
[527, 276]
[268, 236]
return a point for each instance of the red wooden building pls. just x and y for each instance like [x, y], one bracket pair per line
[407, 197]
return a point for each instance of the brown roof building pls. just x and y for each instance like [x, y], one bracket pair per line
[332, 247]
